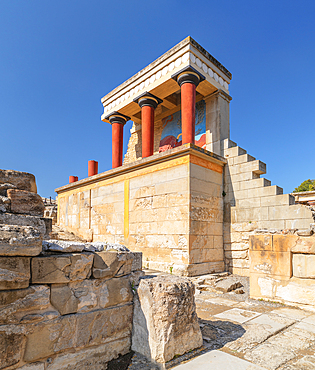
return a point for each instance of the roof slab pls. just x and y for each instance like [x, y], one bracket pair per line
[157, 79]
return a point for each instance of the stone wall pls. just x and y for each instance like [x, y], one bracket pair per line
[251, 203]
[65, 307]
[282, 268]
[168, 206]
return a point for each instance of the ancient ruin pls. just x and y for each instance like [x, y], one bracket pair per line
[180, 250]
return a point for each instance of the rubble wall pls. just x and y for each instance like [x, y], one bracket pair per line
[251, 203]
[282, 268]
[66, 310]
[168, 206]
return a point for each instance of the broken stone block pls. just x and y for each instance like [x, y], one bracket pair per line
[5, 187]
[228, 285]
[165, 322]
[11, 347]
[304, 245]
[5, 204]
[15, 272]
[19, 241]
[108, 264]
[62, 246]
[61, 268]
[22, 180]
[39, 223]
[63, 299]
[23, 305]
[26, 202]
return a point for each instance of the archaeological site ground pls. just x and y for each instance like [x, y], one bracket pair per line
[181, 256]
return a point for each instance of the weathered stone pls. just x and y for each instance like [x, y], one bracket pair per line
[14, 272]
[22, 180]
[116, 247]
[61, 268]
[95, 247]
[38, 223]
[26, 202]
[63, 299]
[137, 261]
[304, 265]
[62, 246]
[19, 241]
[11, 348]
[100, 293]
[23, 304]
[78, 330]
[5, 204]
[91, 358]
[305, 232]
[304, 245]
[108, 264]
[228, 284]
[34, 366]
[5, 187]
[165, 321]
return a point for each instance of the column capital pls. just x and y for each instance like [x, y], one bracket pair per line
[188, 74]
[148, 99]
[116, 117]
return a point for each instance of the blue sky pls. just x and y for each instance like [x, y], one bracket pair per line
[59, 58]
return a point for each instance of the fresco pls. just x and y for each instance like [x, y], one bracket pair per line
[172, 129]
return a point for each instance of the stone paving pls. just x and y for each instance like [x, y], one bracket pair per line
[244, 334]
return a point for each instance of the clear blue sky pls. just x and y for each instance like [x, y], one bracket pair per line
[59, 58]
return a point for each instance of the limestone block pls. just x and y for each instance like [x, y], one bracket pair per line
[63, 300]
[271, 263]
[26, 305]
[43, 225]
[236, 254]
[99, 293]
[283, 243]
[260, 242]
[19, 241]
[14, 272]
[165, 321]
[11, 347]
[90, 358]
[304, 245]
[61, 268]
[62, 246]
[239, 263]
[78, 330]
[108, 264]
[26, 202]
[22, 180]
[277, 200]
[5, 204]
[255, 183]
[137, 261]
[256, 166]
[304, 265]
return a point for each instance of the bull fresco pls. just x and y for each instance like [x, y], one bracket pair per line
[172, 129]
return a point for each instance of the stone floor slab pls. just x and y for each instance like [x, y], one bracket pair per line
[309, 320]
[292, 313]
[306, 326]
[221, 301]
[237, 315]
[217, 360]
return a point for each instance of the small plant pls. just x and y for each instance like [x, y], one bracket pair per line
[171, 269]
[133, 287]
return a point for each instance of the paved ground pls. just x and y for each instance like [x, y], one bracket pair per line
[244, 334]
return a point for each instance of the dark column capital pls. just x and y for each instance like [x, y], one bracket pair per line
[188, 74]
[116, 117]
[148, 99]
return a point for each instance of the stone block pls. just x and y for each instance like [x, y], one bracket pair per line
[255, 183]
[277, 200]
[283, 243]
[256, 166]
[304, 245]
[26, 305]
[236, 254]
[15, 272]
[19, 241]
[5, 187]
[43, 225]
[22, 180]
[108, 264]
[62, 246]
[165, 321]
[260, 242]
[61, 268]
[78, 330]
[11, 347]
[5, 204]
[63, 300]
[271, 263]
[304, 266]
[26, 202]
[137, 261]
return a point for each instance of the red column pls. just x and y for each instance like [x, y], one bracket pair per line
[73, 179]
[117, 144]
[188, 104]
[117, 120]
[92, 168]
[147, 121]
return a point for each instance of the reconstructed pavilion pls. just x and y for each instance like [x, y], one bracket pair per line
[184, 195]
